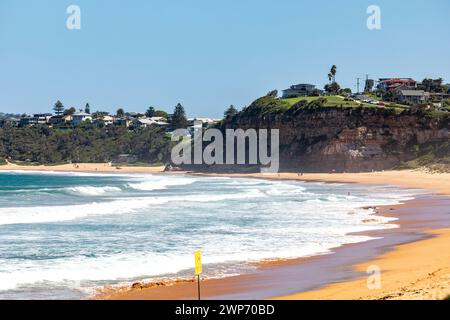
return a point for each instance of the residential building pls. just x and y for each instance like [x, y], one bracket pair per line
[79, 117]
[140, 123]
[59, 119]
[147, 122]
[206, 122]
[42, 118]
[160, 119]
[105, 120]
[435, 96]
[393, 83]
[301, 90]
[412, 96]
[124, 121]
[10, 121]
[36, 119]
[68, 117]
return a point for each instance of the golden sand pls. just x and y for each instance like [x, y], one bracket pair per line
[413, 271]
[83, 167]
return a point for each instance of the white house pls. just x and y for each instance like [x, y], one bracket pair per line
[108, 120]
[79, 117]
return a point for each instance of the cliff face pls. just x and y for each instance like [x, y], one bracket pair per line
[347, 139]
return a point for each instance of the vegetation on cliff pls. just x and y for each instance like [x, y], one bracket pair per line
[269, 105]
[434, 156]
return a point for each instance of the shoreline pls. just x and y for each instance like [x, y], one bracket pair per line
[420, 231]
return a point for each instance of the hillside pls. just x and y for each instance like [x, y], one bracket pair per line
[45, 145]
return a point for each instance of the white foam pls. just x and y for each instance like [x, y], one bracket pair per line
[156, 183]
[48, 214]
[93, 191]
[127, 266]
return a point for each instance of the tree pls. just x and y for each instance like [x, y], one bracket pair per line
[345, 92]
[332, 88]
[58, 108]
[179, 119]
[273, 94]
[87, 109]
[120, 113]
[162, 114]
[330, 77]
[230, 112]
[433, 85]
[70, 111]
[369, 85]
[332, 74]
[150, 112]
[99, 114]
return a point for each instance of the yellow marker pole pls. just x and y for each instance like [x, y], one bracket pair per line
[198, 269]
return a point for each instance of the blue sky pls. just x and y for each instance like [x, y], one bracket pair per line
[207, 54]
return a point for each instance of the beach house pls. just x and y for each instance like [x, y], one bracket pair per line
[301, 90]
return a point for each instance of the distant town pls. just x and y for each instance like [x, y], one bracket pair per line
[397, 92]
[63, 118]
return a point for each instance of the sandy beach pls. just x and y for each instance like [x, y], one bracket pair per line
[414, 260]
[83, 167]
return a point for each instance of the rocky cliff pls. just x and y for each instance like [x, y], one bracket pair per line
[327, 138]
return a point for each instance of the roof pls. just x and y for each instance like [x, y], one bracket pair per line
[412, 92]
[82, 114]
[304, 85]
[399, 80]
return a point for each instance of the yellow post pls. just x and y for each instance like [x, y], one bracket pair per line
[198, 269]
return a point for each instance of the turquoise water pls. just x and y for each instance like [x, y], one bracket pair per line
[62, 235]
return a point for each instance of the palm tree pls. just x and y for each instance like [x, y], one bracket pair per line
[333, 72]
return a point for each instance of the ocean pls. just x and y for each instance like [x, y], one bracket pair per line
[64, 235]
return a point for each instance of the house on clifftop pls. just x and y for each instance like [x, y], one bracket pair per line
[301, 90]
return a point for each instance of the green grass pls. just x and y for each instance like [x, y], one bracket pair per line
[332, 101]
[269, 105]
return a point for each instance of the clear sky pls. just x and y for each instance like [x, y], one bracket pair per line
[207, 54]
